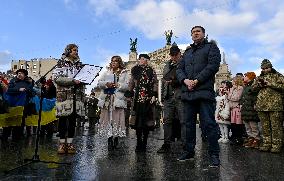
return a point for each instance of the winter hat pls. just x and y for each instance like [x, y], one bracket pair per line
[240, 74]
[174, 50]
[265, 64]
[250, 75]
[144, 56]
[24, 71]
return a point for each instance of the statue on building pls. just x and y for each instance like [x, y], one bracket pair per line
[169, 35]
[133, 45]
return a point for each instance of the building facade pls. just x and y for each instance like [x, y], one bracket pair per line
[35, 67]
[223, 73]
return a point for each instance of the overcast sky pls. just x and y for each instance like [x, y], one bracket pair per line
[247, 31]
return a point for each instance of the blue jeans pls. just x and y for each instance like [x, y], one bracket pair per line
[206, 110]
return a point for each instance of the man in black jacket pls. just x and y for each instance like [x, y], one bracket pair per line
[21, 83]
[196, 72]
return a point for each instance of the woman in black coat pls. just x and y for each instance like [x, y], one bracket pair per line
[143, 86]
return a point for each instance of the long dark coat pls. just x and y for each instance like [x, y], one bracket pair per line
[143, 83]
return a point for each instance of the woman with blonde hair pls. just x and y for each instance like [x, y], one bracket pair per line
[234, 97]
[113, 84]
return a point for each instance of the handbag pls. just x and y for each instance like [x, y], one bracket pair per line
[132, 118]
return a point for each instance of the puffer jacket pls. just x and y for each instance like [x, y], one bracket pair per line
[247, 102]
[119, 98]
[199, 62]
[222, 113]
[15, 84]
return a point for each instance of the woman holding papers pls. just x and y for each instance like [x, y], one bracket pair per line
[69, 93]
[113, 84]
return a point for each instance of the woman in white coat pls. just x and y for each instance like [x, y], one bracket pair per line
[222, 114]
[113, 84]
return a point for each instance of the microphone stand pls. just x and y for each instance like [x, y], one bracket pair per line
[36, 158]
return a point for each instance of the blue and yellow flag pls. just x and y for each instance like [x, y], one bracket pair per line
[48, 113]
[16, 108]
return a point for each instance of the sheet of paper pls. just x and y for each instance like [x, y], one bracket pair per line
[88, 73]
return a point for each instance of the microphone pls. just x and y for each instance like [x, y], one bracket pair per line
[63, 56]
[114, 78]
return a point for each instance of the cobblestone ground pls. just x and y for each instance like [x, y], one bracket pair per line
[94, 162]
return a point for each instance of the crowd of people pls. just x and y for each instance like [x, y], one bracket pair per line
[245, 111]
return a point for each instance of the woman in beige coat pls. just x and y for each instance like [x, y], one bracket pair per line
[65, 84]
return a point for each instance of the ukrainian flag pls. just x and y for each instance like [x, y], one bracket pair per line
[48, 113]
[16, 108]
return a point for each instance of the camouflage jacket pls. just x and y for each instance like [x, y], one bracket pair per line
[271, 87]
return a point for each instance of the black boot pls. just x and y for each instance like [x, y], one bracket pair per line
[110, 144]
[115, 143]
[6, 133]
[166, 148]
[233, 136]
[139, 145]
[239, 139]
[145, 139]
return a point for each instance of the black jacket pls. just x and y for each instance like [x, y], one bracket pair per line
[15, 84]
[172, 89]
[199, 62]
[248, 101]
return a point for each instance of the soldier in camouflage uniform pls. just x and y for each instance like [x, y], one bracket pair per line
[171, 94]
[269, 106]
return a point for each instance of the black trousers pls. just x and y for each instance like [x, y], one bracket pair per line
[142, 136]
[66, 126]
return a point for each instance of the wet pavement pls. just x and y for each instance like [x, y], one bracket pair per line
[94, 162]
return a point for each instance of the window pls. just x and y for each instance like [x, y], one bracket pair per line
[34, 67]
[28, 66]
[34, 72]
[15, 67]
[22, 66]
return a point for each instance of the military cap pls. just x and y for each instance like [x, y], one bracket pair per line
[265, 64]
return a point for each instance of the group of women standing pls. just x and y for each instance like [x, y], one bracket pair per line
[117, 87]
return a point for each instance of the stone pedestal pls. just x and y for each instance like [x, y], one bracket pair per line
[133, 56]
